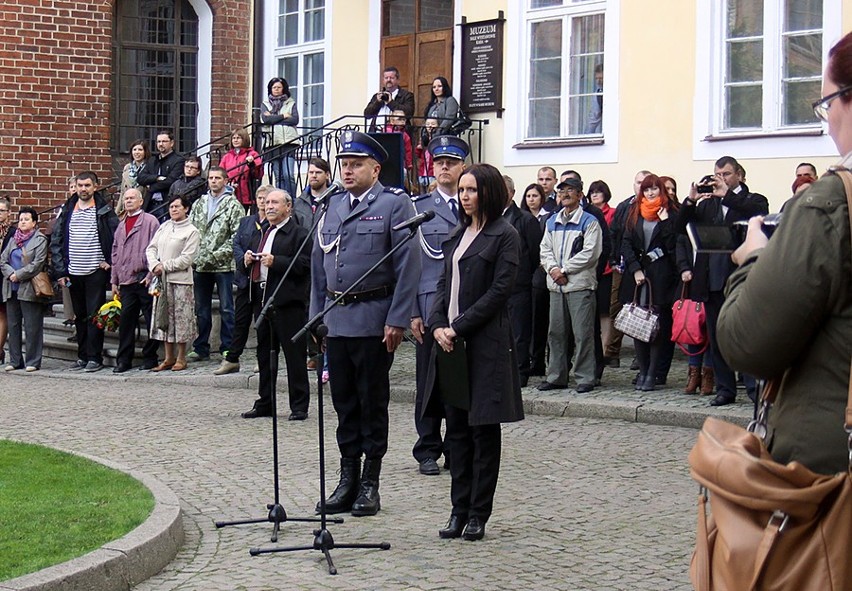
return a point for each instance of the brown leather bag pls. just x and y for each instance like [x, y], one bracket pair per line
[773, 527]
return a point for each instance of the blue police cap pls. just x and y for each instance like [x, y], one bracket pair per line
[355, 143]
[448, 146]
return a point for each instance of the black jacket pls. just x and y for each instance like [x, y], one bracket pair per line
[170, 167]
[661, 273]
[285, 243]
[404, 100]
[711, 271]
[530, 232]
[107, 223]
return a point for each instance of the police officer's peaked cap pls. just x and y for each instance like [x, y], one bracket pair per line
[448, 146]
[355, 143]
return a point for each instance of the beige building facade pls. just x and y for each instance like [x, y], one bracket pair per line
[684, 81]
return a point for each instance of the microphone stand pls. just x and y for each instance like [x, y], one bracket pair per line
[277, 515]
[323, 540]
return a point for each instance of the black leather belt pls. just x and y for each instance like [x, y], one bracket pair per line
[260, 284]
[361, 296]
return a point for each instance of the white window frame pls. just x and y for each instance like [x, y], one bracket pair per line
[522, 151]
[772, 140]
[274, 53]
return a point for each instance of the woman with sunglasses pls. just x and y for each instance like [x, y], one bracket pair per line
[788, 312]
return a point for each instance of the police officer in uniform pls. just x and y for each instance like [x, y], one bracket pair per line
[449, 154]
[368, 325]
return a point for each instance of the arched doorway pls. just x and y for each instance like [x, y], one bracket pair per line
[155, 82]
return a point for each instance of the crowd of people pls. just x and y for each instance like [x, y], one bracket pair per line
[498, 289]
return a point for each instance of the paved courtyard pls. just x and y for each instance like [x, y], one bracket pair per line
[582, 503]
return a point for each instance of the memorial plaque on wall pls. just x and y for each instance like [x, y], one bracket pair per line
[482, 66]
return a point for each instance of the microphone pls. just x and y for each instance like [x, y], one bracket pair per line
[415, 221]
[333, 189]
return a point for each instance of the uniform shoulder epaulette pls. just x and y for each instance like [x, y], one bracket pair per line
[416, 198]
[395, 191]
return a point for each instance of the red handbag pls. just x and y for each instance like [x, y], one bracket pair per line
[689, 321]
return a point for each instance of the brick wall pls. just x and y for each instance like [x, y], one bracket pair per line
[55, 75]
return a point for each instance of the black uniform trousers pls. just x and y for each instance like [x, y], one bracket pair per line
[360, 392]
[285, 321]
[135, 299]
[726, 379]
[521, 316]
[88, 294]
[243, 315]
[475, 451]
[429, 441]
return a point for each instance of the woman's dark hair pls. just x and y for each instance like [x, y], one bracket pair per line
[184, 200]
[491, 192]
[840, 65]
[445, 85]
[669, 179]
[600, 187]
[538, 189]
[27, 209]
[145, 148]
[283, 83]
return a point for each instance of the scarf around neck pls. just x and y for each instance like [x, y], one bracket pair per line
[22, 238]
[276, 102]
[649, 209]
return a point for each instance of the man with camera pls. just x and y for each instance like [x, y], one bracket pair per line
[718, 200]
[266, 260]
[387, 100]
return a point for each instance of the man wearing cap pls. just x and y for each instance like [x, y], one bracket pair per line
[367, 326]
[570, 250]
[449, 154]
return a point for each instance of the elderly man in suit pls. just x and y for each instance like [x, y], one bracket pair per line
[266, 260]
[449, 154]
[367, 326]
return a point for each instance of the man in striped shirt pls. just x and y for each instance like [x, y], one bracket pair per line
[81, 251]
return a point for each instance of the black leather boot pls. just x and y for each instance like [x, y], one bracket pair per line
[367, 502]
[344, 495]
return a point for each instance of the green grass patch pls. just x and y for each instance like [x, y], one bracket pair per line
[56, 506]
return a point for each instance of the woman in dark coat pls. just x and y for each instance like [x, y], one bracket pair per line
[649, 251]
[481, 259]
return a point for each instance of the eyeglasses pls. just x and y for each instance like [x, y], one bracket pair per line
[821, 106]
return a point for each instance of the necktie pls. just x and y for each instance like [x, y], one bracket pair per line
[355, 204]
[255, 267]
[454, 208]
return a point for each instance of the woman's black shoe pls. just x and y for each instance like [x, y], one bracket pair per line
[454, 527]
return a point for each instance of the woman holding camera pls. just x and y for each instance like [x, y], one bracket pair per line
[648, 249]
[470, 316]
[788, 312]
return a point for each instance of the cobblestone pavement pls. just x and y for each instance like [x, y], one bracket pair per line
[581, 504]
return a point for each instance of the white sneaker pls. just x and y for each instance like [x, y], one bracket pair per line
[32, 368]
[10, 368]
[227, 367]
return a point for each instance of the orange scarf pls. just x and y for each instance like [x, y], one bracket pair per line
[649, 209]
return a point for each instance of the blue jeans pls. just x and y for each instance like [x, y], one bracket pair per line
[203, 290]
[283, 169]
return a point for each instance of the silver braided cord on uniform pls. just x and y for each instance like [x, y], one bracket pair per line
[326, 248]
[428, 249]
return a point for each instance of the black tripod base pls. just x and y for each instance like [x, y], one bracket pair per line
[324, 542]
[277, 515]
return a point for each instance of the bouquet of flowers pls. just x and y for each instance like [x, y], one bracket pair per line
[109, 315]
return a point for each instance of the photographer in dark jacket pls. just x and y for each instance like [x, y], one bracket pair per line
[731, 201]
[81, 256]
[160, 172]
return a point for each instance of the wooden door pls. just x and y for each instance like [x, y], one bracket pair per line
[433, 56]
